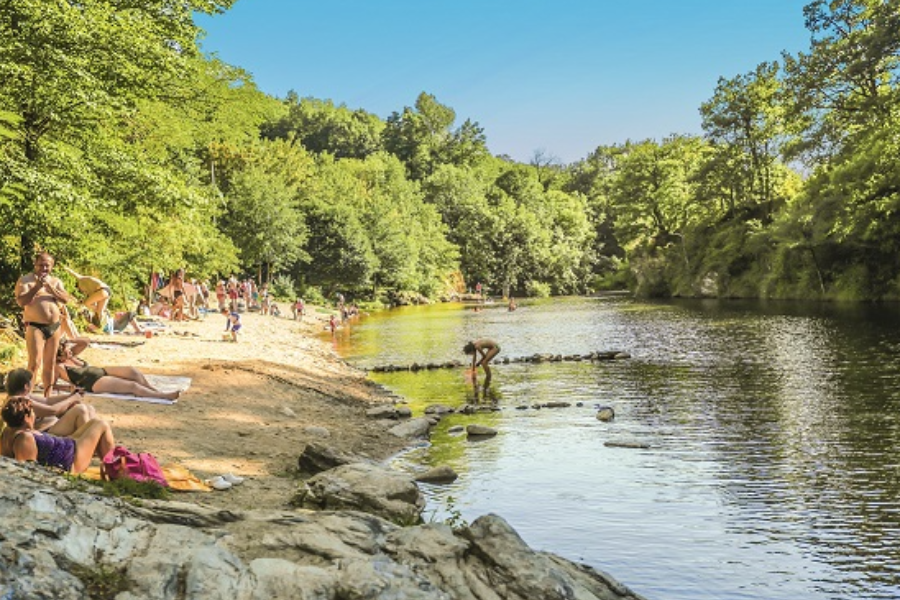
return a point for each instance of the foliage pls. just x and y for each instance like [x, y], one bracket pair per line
[102, 581]
[124, 150]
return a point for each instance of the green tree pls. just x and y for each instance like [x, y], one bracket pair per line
[744, 121]
[848, 79]
[422, 137]
[320, 126]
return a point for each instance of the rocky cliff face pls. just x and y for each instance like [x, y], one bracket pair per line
[60, 541]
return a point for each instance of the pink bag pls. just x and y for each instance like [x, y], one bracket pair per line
[122, 462]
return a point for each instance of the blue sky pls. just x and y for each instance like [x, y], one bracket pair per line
[561, 77]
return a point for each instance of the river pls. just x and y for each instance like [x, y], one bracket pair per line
[773, 466]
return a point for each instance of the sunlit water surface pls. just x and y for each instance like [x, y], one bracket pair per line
[773, 465]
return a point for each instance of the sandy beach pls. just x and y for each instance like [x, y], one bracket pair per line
[251, 407]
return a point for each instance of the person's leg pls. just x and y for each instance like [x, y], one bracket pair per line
[72, 420]
[34, 345]
[487, 359]
[94, 438]
[97, 302]
[48, 369]
[114, 385]
[128, 373]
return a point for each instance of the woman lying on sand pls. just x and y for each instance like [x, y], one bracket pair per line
[60, 415]
[107, 380]
[21, 441]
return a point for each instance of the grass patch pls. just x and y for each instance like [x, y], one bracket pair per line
[102, 582]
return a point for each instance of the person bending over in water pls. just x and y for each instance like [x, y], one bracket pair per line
[486, 349]
[107, 380]
[72, 454]
[60, 415]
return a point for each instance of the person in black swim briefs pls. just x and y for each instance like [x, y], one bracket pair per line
[107, 380]
[39, 294]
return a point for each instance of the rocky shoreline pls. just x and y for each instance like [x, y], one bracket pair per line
[319, 516]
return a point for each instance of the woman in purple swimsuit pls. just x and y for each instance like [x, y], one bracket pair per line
[20, 440]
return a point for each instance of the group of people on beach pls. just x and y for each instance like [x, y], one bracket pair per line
[61, 430]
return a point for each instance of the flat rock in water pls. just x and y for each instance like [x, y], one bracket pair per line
[476, 430]
[627, 444]
[441, 474]
[414, 428]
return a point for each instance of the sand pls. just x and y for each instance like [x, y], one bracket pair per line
[252, 406]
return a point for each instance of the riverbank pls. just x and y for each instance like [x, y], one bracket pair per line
[252, 406]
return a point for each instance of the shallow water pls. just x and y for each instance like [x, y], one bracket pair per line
[773, 463]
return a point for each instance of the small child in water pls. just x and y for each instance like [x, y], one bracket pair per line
[233, 324]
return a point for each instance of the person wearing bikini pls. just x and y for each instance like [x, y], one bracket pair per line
[40, 294]
[96, 294]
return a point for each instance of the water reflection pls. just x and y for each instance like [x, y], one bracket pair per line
[772, 472]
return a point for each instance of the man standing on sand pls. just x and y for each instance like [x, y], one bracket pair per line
[40, 294]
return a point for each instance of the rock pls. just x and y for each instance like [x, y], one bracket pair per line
[404, 412]
[482, 431]
[286, 411]
[441, 474]
[621, 355]
[438, 409]
[605, 413]
[365, 487]
[317, 432]
[626, 444]
[414, 428]
[55, 537]
[319, 457]
[382, 411]
[456, 429]
[557, 404]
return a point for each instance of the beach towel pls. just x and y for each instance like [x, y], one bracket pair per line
[164, 383]
[180, 478]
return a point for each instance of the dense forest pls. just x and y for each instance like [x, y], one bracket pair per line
[125, 150]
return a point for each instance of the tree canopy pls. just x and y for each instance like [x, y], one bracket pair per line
[124, 150]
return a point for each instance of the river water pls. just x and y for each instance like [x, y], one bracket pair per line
[773, 467]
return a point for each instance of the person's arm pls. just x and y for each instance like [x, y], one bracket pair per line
[72, 272]
[25, 296]
[55, 406]
[57, 291]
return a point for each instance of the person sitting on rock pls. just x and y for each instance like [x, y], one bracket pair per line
[60, 415]
[21, 441]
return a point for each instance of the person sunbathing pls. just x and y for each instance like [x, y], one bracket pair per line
[73, 454]
[60, 415]
[107, 380]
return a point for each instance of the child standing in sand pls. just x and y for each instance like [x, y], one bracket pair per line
[233, 324]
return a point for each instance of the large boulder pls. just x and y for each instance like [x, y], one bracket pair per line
[62, 542]
[317, 457]
[365, 487]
